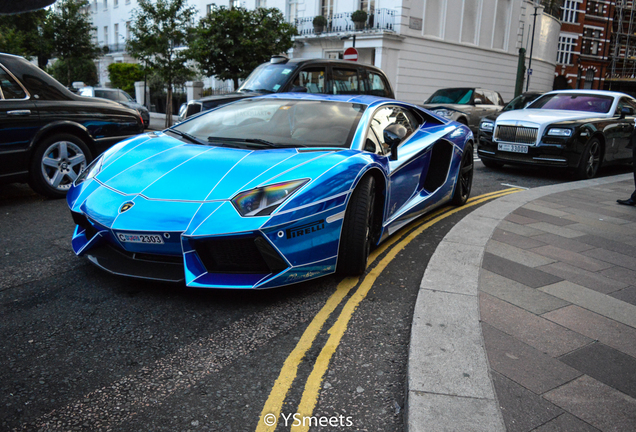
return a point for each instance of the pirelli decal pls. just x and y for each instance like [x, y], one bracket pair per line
[306, 229]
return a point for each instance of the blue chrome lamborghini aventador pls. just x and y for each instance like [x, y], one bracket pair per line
[268, 191]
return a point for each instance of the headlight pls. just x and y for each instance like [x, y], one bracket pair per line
[560, 132]
[487, 126]
[264, 200]
[90, 171]
[444, 113]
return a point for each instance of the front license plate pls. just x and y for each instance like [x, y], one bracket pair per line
[515, 148]
[140, 238]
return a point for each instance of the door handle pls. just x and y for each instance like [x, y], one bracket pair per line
[19, 113]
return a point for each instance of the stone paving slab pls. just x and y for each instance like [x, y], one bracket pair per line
[521, 256]
[615, 258]
[515, 239]
[566, 422]
[568, 232]
[518, 272]
[536, 206]
[627, 295]
[603, 243]
[596, 403]
[573, 258]
[597, 327]
[588, 279]
[543, 217]
[538, 332]
[592, 300]
[564, 243]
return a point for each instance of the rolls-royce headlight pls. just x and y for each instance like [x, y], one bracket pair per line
[444, 113]
[559, 132]
[90, 171]
[263, 201]
[487, 126]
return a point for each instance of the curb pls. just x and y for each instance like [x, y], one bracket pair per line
[449, 387]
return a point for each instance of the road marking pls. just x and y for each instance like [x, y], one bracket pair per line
[514, 186]
[309, 399]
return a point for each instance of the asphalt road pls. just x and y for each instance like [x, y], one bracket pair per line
[84, 350]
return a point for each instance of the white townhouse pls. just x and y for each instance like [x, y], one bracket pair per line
[422, 45]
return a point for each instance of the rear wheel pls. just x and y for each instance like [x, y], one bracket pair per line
[464, 177]
[56, 163]
[590, 160]
[356, 236]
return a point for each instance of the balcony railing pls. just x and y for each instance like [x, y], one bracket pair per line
[381, 19]
[114, 48]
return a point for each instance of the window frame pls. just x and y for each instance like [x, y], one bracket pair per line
[26, 92]
[386, 151]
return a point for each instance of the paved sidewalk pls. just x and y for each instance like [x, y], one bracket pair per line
[526, 317]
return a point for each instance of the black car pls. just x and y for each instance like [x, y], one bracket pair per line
[487, 124]
[120, 96]
[48, 135]
[282, 75]
[578, 130]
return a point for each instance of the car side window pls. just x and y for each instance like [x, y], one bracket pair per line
[500, 100]
[385, 117]
[313, 79]
[375, 85]
[10, 88]
[491, 97]
[625, 102]
[345, 81]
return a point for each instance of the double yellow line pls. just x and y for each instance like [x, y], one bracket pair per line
[288, 373]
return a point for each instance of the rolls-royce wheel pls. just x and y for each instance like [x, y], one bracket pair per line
[464, 177]
[356, 236]
[56, 163]
[491, 164]
[590, 160]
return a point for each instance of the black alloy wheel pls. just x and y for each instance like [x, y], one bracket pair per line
[590, 160]
[357, 229]
[464, 177]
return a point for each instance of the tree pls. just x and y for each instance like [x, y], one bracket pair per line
[72, 34]
[124, 75]
[230, 43]
[28, 35]
[81, 70]
[158, 33]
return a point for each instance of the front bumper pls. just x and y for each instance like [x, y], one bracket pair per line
[555, 153]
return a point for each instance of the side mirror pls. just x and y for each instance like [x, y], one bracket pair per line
[625, 111]
[478, 101]
[393, 136]
[298, 89]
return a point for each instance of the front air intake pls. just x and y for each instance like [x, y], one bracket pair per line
[251, 254]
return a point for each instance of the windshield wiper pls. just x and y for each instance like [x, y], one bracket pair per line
[186, 136]
[257, 90]
[257, 141]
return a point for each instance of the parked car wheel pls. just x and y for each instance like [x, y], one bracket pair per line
[356, 236]
[590, 160]
[464, 177]
[56, 163]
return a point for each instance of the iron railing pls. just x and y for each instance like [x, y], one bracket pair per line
[379, 20]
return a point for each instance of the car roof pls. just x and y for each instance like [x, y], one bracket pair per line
[361, 99]
[300, 60]
[589, 91]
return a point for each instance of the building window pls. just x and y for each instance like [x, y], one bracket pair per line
[589, 79]
[591, 38]
[127, 30]
[326, 8]
[115, 3]
[292, 10]
[469, 21]
[209, 8]
[433, 18]
[105, 35]
[261, 4]
[565, 49]
[502, 22]
[570, 10]
[116, 28]
[594, 8]
[105, 4]
[368, 6]
[235, 4]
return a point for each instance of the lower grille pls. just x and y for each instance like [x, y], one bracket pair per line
[516, 134]
[251, 254]
[83, 222]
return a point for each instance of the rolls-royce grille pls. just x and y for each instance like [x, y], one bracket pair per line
[516, 134]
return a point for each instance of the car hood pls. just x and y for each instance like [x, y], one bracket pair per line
[542, 117]
[229, 96]
[160, 167]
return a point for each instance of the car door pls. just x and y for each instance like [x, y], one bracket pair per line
[19, 122]
[406, 170]
[313, 78]
[621, 149]
[481, 108]
[345, 80]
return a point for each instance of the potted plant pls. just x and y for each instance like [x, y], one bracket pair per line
[359, 18]
[319, 23]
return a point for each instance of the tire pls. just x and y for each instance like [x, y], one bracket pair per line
[464, 177]
[356, 236]
[491, 164]
[56, 163]
[591, 160]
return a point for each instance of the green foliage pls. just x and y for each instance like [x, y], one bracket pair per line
[71, 34]
[230, 43]
[359, 16]
[319, 21]
[28, 35]
[158, 31]
[124, 75]
[81, 70]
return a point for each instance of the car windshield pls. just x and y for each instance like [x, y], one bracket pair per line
[114, 95]
[268, 78]
[451, 96]
[266, 123]
[520, 102]
[574, 102]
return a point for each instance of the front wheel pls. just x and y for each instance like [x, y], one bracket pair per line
[464, 177]
[356, 236]
[590, 160]
[56, 163]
